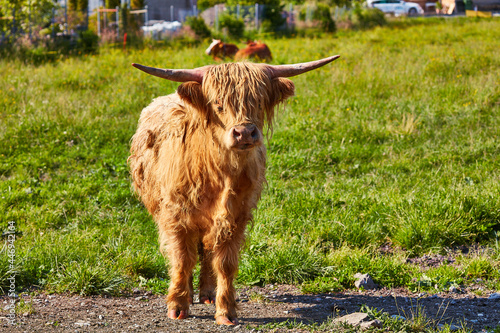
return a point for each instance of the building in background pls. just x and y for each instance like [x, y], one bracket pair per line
[171, 10]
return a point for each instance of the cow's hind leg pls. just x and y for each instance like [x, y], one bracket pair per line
[191, 289]
[207, 276]
[181, 249]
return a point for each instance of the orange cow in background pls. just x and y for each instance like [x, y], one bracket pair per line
[254, 50]
[220, 50]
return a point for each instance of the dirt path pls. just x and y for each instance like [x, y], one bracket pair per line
[258, 306]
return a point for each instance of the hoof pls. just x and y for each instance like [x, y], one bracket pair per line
[223, 320]
[207, 300]
[174, 314]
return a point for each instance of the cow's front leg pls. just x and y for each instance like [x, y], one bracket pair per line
[225, 264]
[229, 233]
[181, 250]
[207, 276]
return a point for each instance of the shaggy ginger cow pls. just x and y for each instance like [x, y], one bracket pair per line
[198, 162]
[220, 50]
[254, 50]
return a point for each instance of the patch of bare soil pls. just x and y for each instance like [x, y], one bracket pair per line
[143, 312]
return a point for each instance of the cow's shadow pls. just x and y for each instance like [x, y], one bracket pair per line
[471, 312]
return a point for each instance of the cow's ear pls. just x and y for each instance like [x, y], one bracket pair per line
[282, 89]
[191, 93]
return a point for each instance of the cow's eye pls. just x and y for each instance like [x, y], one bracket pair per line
[219, 108]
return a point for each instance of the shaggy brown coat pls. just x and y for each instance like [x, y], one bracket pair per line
[198, 184]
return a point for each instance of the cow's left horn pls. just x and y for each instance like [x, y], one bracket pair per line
[296, 69]
[177, 75]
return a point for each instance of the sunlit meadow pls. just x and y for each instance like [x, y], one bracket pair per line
[395, 146]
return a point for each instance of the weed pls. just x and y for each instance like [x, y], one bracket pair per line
[289, 325]
[414, 320]
[155, 285]
[24, 307]
[257, 297]
[407, 126]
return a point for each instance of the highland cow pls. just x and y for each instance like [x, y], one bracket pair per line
[198, 164]
[220, 50]
[255, 51]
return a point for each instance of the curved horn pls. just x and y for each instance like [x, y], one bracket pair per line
[177, 75]
[296, 69]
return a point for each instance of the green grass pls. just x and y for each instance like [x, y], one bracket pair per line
[396, 143]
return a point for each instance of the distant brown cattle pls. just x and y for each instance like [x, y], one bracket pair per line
[198, 164]
[256, 51]
[220, 50]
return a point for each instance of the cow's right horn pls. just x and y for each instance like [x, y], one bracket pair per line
[296, 69]
[177, 75]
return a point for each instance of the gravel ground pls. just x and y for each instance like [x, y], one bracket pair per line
[144, 312]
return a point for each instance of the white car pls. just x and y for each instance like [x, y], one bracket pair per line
[396, 7]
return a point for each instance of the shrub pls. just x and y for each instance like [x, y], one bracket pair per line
[266, 26]
[235, 26]
[53, 29]
[272, 14]
[198, 25]
[320, 14]
[367, 18]
[88, 42]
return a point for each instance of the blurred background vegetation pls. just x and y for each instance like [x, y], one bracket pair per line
[36, 31]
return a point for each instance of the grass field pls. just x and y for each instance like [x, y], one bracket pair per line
[395, 145]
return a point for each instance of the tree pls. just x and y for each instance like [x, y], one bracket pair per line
[271, 13]
[25, 14]
[205, 4]
[320, 14]
[78, 5]
[112, 3]
[137, 4]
